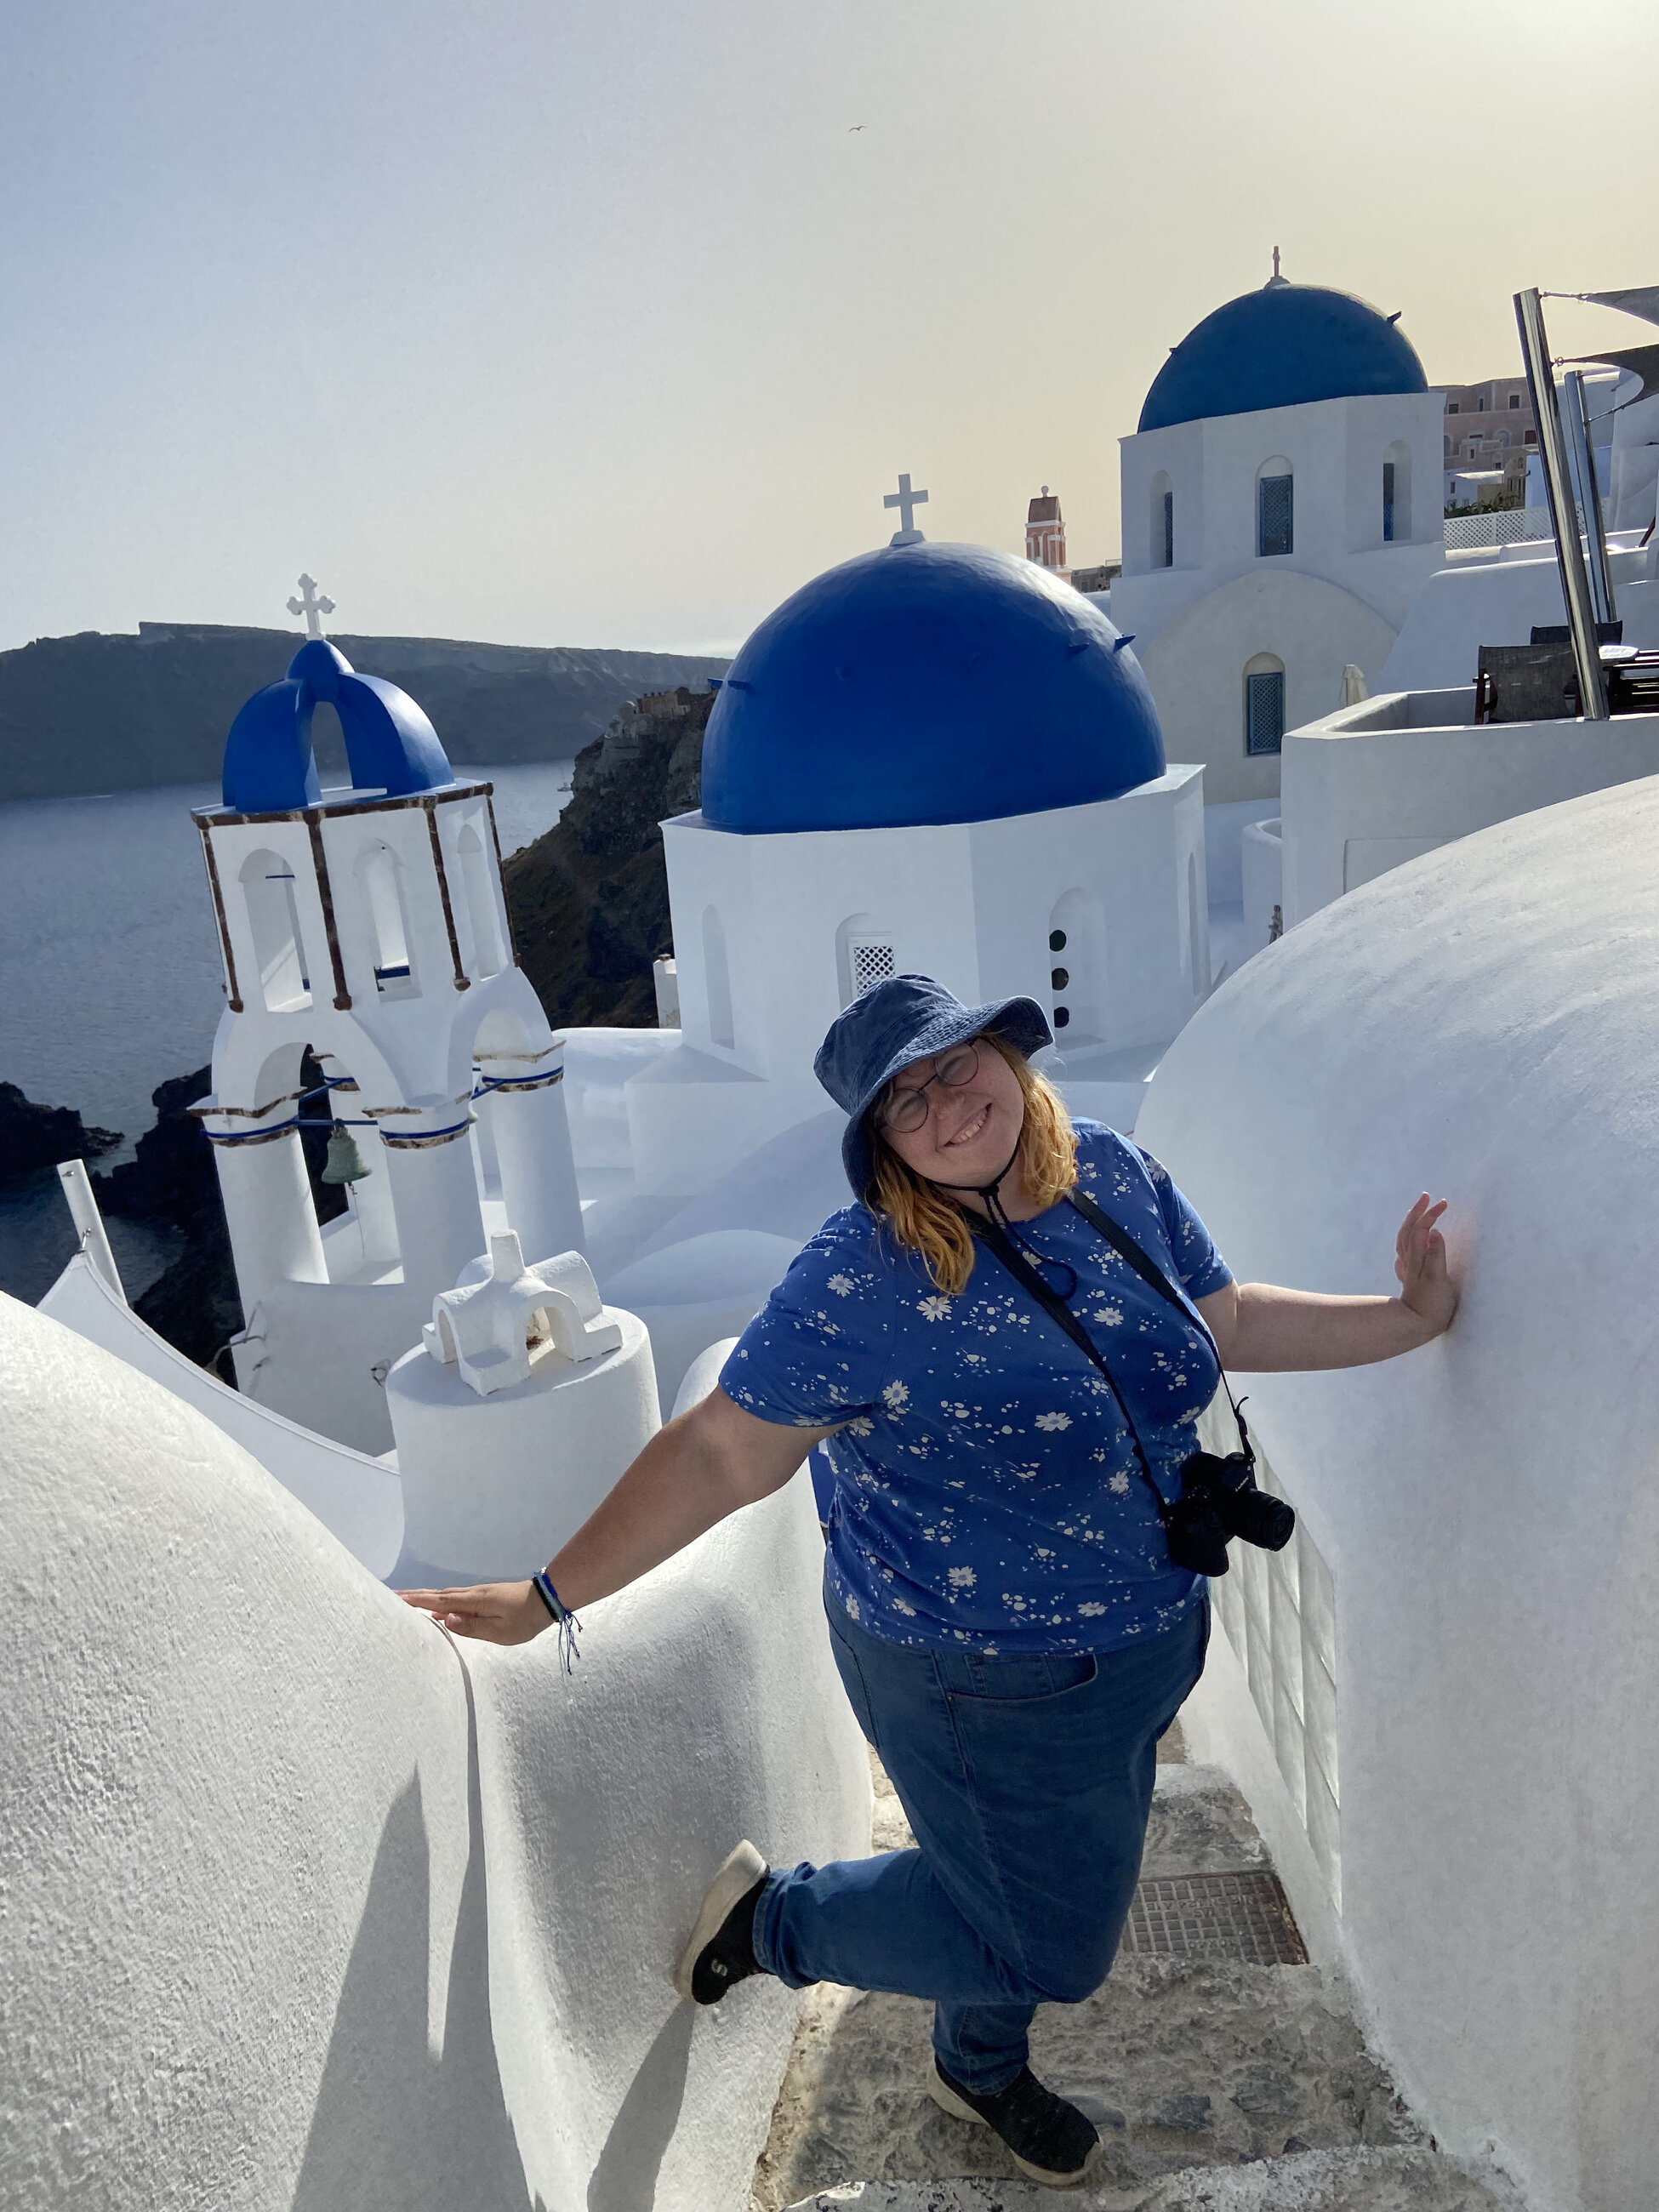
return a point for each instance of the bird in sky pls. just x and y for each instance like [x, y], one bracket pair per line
[851, 127]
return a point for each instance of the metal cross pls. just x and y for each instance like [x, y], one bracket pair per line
[907, 502]
[1275, 261]
[314, 608]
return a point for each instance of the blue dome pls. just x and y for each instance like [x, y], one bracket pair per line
[269, 768]
[1281, 347]
[926, 683]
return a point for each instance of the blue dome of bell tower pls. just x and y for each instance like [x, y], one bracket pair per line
[926, 683]
[270, 767]
[1283, 346]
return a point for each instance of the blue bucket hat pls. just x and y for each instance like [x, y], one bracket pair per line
[907, 1018]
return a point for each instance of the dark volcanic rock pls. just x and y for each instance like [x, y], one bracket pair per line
[589, 900]
[97, 713]
[195, 1304]
[35, 1137]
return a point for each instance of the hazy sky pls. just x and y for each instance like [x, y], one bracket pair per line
[599, 324]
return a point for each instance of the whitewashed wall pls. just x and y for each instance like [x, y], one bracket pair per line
[1479, 1024]
[1339, 597]
[1381, 783]
[972, 903]
[310, 1906]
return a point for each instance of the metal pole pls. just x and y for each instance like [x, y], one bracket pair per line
[94, 1238]
[1595, 535]
[1558, 480]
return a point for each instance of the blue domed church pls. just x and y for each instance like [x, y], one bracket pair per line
[1281, 509]
[934, 757]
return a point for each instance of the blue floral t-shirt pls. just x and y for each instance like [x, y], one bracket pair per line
[988, 1492]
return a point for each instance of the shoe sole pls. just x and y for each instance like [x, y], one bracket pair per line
[740, 1873]
[948, 2101]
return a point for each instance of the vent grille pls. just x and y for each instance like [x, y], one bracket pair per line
[873, 963]
[1214, 1915]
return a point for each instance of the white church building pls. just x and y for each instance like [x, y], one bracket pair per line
[934, 758]
[1281, 510]
[368, 923]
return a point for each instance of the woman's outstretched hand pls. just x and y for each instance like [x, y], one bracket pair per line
[1420, 1261]
[492, 1612]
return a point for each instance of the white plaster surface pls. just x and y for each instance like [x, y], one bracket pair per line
[1495, 598]
[1341, 595]
[357, 1500]
[308, 1907]
[1478, 1024]
[493, 1485]
[974, 904]
[1383, 782]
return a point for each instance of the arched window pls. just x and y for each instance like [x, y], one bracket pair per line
[1163, 522]
[383, 889]
[274, 920]
[717, 980]
[1264, 703]
[1078, 972]
[478, 882]
[1275, 507]
[1397, 492]
[864, 956]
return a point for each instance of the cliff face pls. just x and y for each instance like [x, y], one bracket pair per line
[589, 900]
[97, 713]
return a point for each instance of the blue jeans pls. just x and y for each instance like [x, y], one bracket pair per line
[1027, 1783]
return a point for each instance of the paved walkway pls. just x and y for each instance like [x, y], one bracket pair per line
[1217, 2085]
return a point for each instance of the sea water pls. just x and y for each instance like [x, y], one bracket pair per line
[110, 976]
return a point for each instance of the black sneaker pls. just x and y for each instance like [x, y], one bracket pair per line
[1049, 2141]
[721, 1949]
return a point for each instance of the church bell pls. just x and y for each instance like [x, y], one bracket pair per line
[344, 1163]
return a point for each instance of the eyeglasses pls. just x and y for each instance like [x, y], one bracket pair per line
[905, 1110]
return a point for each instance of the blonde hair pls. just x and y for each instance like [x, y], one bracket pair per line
[925, 1219]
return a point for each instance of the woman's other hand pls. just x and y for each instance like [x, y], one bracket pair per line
[1420, 1261]
[492, 1613]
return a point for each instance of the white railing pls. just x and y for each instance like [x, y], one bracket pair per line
[1509, 526]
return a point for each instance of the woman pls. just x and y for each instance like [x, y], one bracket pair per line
[1010, 1625]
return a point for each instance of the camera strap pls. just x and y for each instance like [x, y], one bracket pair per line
[992, 1233]
[1151, 1273]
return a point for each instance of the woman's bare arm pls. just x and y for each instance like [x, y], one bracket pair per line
[1261, 1328]
[692, 1473]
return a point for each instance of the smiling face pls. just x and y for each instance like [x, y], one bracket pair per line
[971, 1129]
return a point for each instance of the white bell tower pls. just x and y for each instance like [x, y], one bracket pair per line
[368, 923]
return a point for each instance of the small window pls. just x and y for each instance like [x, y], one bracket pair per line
[1532, 437]
[1264, 711]
[1388, 502]
[1451, 407]
[1163, 545]
[1275, 514]
[1515, 399]
[1056, 940]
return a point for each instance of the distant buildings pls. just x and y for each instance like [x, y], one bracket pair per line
[1488, 426]
[1045, 532]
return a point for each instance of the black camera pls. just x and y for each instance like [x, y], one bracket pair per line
[1218, 1500]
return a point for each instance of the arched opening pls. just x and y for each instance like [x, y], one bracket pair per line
[864, 956]
[1396, 492]
[328, 747]
[478, 886]
[1078, 969]
[1163, 521]
[273, 919]
[382, 877]
[1275, 507]
[717, 981]
[1264, 703]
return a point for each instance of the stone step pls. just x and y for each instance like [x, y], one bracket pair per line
[1203, 2074]
[1398, 2180]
